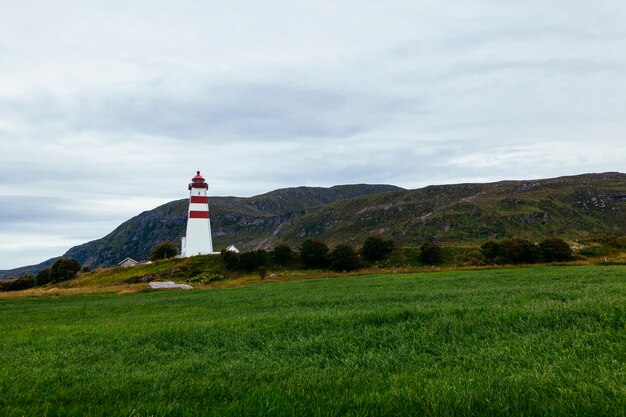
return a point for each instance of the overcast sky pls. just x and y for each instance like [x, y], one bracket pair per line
[108, 107]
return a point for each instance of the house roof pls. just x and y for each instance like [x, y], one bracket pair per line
[128, 259]
[232, 248]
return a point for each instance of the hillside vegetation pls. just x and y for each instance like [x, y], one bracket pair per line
[569, 207]
[312, 260]
[576, 207]
[540, 341]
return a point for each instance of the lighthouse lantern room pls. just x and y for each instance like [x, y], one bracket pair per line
[198, 238]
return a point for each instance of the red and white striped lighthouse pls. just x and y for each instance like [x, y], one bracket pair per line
[198, 238]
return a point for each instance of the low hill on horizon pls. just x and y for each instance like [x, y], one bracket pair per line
[571, 207]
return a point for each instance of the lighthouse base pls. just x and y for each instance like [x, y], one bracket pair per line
[186, 251]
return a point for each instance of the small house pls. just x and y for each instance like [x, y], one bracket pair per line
[128, 262]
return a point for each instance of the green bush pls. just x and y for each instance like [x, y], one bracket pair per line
[64, 269]
[344, 258]
[376, 249]
[251, 261]
[313, 254]
[511, 251]
[493, 252]
[282, 255]
[18, 283]
[163, 251]
[207, 277]
[617, 242]
[555, 250]
[42, 277]
[230, 259]
[520, 251]
[431, 254]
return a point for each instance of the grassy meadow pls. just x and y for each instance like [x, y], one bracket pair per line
[520, 341]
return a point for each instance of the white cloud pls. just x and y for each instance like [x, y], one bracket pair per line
[107, 108]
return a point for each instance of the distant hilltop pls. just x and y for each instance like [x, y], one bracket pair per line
[572, 207]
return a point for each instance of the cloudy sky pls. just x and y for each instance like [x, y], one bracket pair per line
[108, 107]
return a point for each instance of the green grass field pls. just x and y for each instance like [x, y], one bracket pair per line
[529, 341]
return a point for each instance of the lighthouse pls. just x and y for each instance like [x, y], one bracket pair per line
[198, 238]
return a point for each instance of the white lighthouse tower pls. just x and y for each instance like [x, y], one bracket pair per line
[198, 238]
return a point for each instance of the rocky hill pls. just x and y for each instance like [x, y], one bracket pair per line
[247, 222]
[574, 207]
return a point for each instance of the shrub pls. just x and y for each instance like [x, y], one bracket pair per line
[493, 252]
[431, 253]
[42, 277]
[518, 251]
[511, 251]
[19, 283]
[617, 242]
[85, 269]
[555, 250]
[207, 277]
[230, 259]
[251, 261]
[282, 255]
[376, 249]
[313, 253]
[344, 258]
[64, 269]
[163, 251]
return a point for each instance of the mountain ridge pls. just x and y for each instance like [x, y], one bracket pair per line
[137, 235]
[571, 207]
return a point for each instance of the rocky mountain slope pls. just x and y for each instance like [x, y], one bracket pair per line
[574, 207]
[247, 222]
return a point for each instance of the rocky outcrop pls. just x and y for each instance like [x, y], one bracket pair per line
[168, 285]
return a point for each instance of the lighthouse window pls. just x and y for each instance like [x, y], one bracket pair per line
[198, 192]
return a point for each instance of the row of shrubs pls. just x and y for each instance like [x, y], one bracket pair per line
[522, 251]
[63, 269]
[315, 254]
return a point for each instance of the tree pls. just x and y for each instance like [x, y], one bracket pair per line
[313, 253]
[493, 252]
[18, 283]
[431, 253]
[344, 258]
[253, 260]
[163, 251]
[64, 269]
[230, 259]
[377, 249]
[555, 250]
[282, 255]
[42, 277]
[519, 251]
[27, 281]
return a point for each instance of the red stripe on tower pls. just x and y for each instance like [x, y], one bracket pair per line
[193, 214]
[199, 200]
